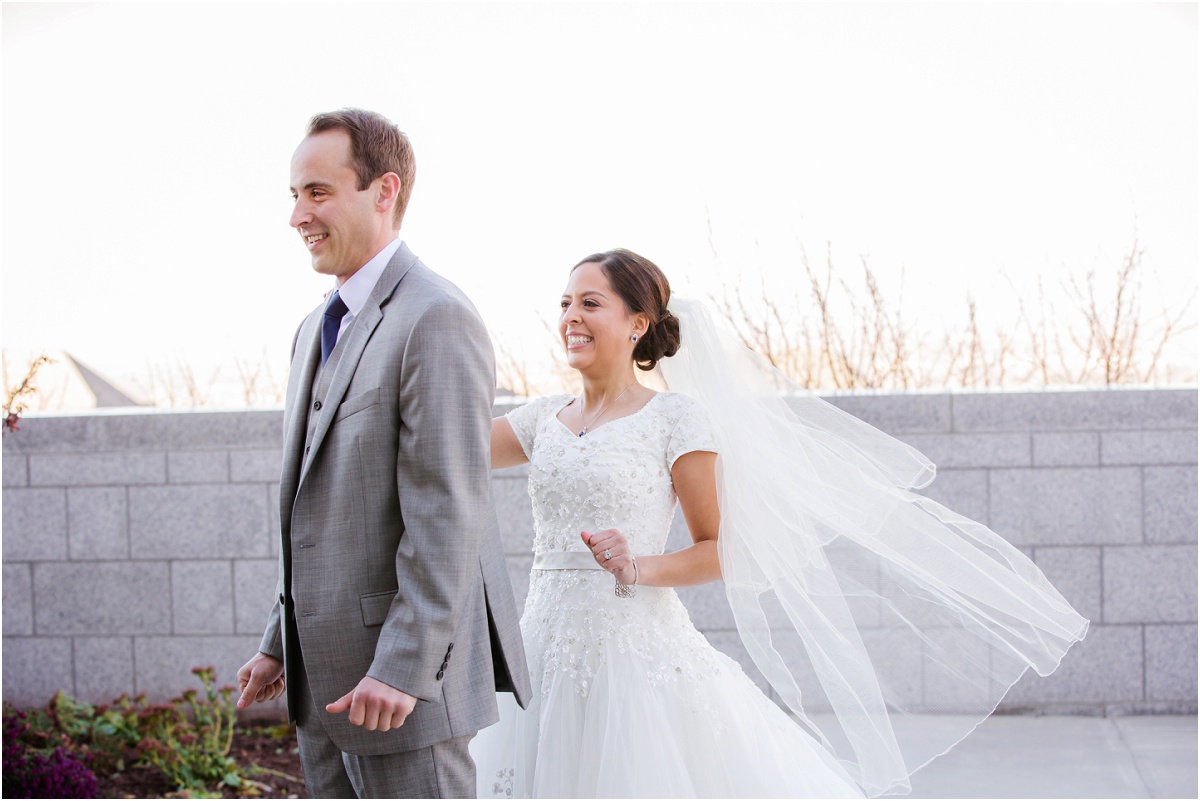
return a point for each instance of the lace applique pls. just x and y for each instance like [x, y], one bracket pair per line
[618, 476]
[503, 787]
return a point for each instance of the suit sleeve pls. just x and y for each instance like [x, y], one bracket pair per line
[272, 641]
[443, 481]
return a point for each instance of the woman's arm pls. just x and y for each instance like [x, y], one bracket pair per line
[506, 448]
[695, 477]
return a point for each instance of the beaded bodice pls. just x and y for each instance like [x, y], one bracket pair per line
[617, 476]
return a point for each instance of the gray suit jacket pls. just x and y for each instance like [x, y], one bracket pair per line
[391, 565]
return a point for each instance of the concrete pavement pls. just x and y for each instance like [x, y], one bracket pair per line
[1018, 756]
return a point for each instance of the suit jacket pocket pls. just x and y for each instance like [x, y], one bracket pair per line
[356, 404]
[375, 606]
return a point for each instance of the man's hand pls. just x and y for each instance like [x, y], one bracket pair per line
[375, 705]
[260, 679]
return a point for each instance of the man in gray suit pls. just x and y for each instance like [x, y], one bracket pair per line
[395, 621]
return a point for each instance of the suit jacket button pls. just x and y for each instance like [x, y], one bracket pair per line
[440, 674]
[281, 599]
[317, 406]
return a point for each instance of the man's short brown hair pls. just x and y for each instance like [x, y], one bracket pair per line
[377, 147]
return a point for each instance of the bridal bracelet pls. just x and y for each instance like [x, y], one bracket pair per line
[627, 590]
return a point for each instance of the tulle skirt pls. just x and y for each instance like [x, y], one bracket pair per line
[630, 700]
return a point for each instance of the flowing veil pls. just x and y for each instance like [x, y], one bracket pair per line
[860, 601]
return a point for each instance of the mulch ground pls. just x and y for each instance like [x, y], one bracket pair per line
[276, 758]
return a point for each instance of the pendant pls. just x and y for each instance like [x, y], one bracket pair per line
[583, 431]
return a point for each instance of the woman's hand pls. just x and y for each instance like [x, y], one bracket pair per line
[611, 551]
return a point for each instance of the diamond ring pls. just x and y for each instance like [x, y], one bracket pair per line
[607, 554]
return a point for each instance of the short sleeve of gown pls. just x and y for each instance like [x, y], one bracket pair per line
[692, 432]
[525, 421]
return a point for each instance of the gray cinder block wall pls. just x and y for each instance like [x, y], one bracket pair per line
[138, 546]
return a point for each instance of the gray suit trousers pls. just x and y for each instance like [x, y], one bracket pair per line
[441, 770]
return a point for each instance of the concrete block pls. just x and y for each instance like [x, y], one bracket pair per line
[273, 525]
[97, 469]
[505, 404]
[198, 521]
[49, 435]
[248, 429]
[519, 568]
[103, 668]
[1150, 584]
[93, 598]
[198, 467]
[1066, 449]
[906, 682]
[520, 471]
[35, 524]
[258, 465]
[1148, 447]
[254, 583]
[202, 597]
[1171, 663]
[98, 523]
[678, 536]
[896, 413]
[35, 668]
[138, 431]
[1086, 410]
[196, 430]
[1170, 504]
[707, 606]
[964, 491]
[1067, 506]
[18, 599]
[164, 664]
[944, 654]
[973, 450]
[16, 470]
[1105, 667]
[1074, 572]
[514, 511]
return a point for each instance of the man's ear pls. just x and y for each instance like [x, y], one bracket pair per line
[388, 192]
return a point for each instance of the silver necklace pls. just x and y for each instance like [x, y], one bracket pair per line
[586, 424]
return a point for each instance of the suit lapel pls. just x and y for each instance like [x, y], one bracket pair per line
[349, 351]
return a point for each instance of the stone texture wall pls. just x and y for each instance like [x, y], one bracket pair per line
[138, 546]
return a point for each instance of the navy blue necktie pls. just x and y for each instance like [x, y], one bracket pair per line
[334, 313]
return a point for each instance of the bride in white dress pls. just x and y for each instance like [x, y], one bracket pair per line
[629, 699]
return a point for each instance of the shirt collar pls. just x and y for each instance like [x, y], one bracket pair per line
[356, 289]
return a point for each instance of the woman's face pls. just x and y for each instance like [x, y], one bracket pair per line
[595, 324]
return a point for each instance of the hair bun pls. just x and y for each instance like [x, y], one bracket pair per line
[661, 341]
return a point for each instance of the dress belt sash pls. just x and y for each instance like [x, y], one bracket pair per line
[565, 560]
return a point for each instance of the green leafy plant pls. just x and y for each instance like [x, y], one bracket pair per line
[187, 740]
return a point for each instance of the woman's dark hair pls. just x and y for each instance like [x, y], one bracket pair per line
[645, 290]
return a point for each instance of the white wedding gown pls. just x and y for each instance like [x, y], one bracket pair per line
[629, 699]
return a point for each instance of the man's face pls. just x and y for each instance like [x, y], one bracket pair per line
[338, 224]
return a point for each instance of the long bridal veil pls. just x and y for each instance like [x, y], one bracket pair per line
[860, 601]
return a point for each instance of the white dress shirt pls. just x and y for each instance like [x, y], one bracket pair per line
[355, 291]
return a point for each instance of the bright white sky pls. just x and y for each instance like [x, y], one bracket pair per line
[146, 151]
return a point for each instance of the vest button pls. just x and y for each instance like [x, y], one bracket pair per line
[317, 406]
